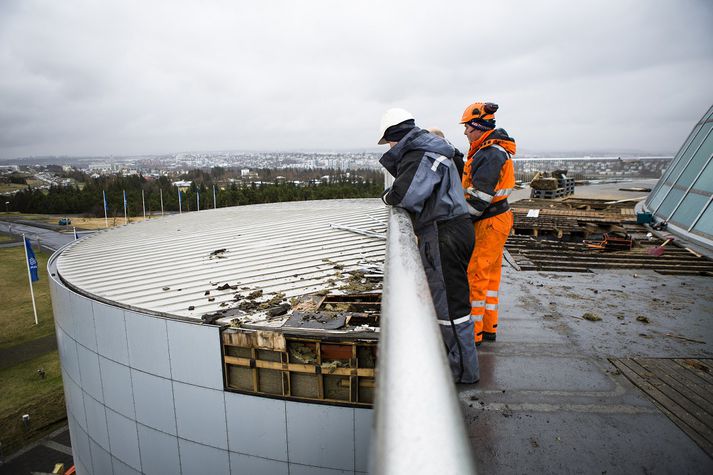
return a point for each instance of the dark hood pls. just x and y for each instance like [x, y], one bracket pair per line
[416, 140]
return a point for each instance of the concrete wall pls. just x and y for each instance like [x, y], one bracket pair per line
[145, 395]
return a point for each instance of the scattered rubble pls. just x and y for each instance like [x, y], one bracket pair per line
[227, 286]
[218, 254]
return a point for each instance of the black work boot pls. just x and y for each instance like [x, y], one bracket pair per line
[489, 336]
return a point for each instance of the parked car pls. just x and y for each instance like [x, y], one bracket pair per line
[64, 221]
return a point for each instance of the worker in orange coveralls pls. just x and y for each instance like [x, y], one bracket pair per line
[488, 180]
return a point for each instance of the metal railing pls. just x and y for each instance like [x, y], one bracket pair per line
[419, 426]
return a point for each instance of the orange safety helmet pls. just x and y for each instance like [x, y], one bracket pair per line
[480, 114]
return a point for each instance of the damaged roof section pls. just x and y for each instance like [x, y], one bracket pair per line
[258, 265]
[584, 235]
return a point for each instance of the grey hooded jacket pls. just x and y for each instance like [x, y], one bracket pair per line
[426, 178]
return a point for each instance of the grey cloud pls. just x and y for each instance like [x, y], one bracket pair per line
[121, 77]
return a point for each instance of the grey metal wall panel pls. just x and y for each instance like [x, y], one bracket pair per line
[153, 399]
[66, 315]
[161, 454]
[120, 468]
[83, 316]
[111, 332]
[58, 307]
[296, 469]
[96, 421]
[200, 415]
[256, 426]
[241, 464]
[89, 371]
[101, 460]
[197, 458]
[75, 403]
[320, 435]
[116, 381]
[73, 429]
[80, 468]
[195, 354]
[123, 439]
[82, 451]
[68, 354]
[148, 344]
[363, 419]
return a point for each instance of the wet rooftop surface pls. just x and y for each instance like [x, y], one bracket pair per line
[550, 401]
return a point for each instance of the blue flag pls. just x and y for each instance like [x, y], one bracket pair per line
[31, 261]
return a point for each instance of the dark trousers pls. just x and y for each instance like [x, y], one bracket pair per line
[445, 250]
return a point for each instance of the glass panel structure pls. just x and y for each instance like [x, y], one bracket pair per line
[683, 195]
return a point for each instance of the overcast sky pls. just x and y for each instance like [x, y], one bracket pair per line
[146, 77]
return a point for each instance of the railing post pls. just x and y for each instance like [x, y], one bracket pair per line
[419, 426]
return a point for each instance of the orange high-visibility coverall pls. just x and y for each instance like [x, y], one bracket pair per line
[488, 178]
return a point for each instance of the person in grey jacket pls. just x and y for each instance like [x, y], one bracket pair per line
[427, 185]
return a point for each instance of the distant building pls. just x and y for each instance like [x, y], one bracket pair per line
[182, 185]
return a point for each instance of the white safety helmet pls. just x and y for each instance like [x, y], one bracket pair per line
[392, 117]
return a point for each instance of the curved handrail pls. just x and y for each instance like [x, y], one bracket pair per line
[419, 426]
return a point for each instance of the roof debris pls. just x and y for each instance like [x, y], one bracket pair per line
[218, 254]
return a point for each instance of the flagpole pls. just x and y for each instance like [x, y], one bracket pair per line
[143, 203]
[106, 220]
[161, 193]
[29, 278]
[126, 219]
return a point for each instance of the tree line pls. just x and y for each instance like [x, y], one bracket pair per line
[87, 197]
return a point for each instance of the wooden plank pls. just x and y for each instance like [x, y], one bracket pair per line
[706, 365]
[545, 268]
[263, 339]
[701, 410]
[683, 377]
[253, 352]
[691, 365]
[637, 374]
[298, 367]
[688, 424]
[601, 264]
[617, 258]
[682, 272]
[320, 378]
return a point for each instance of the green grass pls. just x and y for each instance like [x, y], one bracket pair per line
[20, 384]
[22, 391]
[17, 321]
[14, 215]
[8, 187]
[4, 238]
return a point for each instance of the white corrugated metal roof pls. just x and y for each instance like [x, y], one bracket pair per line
[165, 265]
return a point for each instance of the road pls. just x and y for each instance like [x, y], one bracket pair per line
[49, 239]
